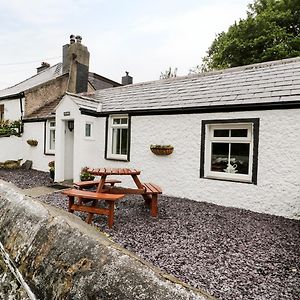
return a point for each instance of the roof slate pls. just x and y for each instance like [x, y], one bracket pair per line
[45, 111]
[259, 83]
[44, 76]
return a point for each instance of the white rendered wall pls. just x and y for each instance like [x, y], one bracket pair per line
[36, 131]
[278, 186]
[17, 148]
[11, 148]
[12, 110]
[66, 105]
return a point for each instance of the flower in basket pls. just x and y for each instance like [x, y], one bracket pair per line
[51, 165]
[85, 175]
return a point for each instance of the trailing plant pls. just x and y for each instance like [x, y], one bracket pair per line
[8, 128]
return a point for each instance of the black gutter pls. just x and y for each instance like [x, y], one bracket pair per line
[13, 96]
[197, 109]
[33, 120]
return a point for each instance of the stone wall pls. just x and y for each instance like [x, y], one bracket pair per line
[61, 257]
[45, 93]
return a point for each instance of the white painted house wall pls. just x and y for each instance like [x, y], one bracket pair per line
[86, 150]
[277, 190]
[12, 109]
[11, 148]
[36, 131]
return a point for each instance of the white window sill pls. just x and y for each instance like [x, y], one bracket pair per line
[230, 177]
[117, 157]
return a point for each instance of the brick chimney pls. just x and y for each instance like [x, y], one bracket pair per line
[127, 79]
[76, 62]
[44, 66]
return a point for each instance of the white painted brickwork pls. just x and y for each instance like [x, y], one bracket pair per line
[278, 188]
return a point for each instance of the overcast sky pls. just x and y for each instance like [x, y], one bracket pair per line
[142, 37]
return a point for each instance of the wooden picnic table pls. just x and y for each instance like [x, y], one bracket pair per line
[107, 191]
[148, 191]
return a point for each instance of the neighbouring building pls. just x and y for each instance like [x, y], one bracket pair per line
[235, 133]
[33, 101]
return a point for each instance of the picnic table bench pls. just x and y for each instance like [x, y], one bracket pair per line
[84, 196]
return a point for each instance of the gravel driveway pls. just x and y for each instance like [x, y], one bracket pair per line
[231, 253]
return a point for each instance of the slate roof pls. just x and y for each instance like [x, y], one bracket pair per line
[44, 111]
[51, 73]
[276, 81]
[43, 76]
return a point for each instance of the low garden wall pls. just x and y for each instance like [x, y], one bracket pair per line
[11, 148]
[61, 257]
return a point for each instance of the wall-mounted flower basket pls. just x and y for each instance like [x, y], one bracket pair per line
[162, 149]
[32, 142]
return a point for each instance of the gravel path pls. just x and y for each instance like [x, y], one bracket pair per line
[231, 253]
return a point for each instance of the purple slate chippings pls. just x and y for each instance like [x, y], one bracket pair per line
[231, 253]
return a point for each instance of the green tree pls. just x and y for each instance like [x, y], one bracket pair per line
[271, 31]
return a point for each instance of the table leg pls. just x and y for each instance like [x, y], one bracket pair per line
[137, 181]
[71, 202]
[111, 208]
[89, 217]
[153, 206]
[101, 183]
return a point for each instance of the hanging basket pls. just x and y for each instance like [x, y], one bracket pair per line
[161, 150]
[33, 143]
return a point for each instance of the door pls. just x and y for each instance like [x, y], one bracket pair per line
[69, 150]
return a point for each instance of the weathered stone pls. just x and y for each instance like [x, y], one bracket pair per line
[11, 164]
[62, 257]
[27, 165]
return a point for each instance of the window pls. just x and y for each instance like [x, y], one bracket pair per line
[50, 137]
[229, 150]
[88, 130]
[1, 112]
[118, 137]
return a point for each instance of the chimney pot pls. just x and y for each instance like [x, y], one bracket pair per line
[78, 38]
[127, 79]
[44, 66]
[72, 39]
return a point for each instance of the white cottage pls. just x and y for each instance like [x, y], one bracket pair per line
[235, 133]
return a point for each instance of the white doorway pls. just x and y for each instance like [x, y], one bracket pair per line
[69, 149]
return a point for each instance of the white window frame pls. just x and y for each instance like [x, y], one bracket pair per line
[111, 126]
[209, 139]
[91, 130]
[49, 128]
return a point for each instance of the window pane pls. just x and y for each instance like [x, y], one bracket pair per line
[88, 130]
[239, 157]
[221, 133]
[239, 132]
[116, 141]
[219, 156]
[124, 121]
[124, 141]
[52, 140]
[116, 121]
[52, 124]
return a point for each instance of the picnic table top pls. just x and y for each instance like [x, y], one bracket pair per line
[113, 171]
